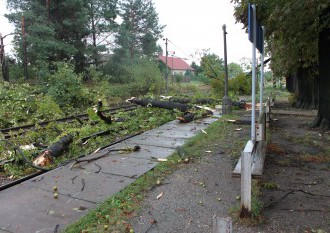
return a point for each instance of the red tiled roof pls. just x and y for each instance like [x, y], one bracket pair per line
[175, 63]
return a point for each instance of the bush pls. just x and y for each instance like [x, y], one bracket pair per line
[66, 88]
[47, 109]
[202, 78]
[218, 87]
[241, 84]
[146, 78]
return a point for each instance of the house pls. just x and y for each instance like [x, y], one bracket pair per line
[176, 65]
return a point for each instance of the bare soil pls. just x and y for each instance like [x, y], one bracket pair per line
[295, 186]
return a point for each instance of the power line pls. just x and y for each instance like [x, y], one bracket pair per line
[179, 49]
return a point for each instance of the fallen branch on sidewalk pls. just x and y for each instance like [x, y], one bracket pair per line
[129, 149]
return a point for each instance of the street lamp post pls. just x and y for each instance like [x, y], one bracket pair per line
[226, 101]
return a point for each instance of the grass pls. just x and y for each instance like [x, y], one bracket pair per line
[113, 214]
[256, 208]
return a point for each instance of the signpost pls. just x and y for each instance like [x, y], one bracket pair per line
[256, 36]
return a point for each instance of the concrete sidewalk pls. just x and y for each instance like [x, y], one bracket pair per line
[31, 206]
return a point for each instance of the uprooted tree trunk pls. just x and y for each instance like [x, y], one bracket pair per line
[161, 104]
[166, 105]
[55, 150]
[186, 118]
[196, 101]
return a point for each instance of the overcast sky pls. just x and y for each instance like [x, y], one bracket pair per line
[191, 25]
[197, 24]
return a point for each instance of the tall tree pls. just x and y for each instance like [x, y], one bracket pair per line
[55, 29]
[212, 66]
[293, 32]
[139, 30]
[234, 69]
[102, 25]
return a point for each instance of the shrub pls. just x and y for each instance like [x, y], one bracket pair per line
[218, 87]
[48, 109]
[241, 84]
[146, 77]
[66, 88]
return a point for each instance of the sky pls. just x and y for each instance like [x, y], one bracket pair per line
[191, 26]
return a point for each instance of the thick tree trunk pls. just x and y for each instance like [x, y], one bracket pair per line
[55, 150]
[323, 117]
[305, 89]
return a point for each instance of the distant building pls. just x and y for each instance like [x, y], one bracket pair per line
[176, 65]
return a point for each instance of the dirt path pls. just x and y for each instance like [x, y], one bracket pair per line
[295, 185]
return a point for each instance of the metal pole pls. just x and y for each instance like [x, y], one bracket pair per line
[253, 129]
[262, 75]
[166, 74]
[226, 101]
[225, 59]
[172, 70]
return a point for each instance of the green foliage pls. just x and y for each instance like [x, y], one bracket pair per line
[139, 76]
[66, 88]
[212, 66]
[292, 30]
[17, 103]
[21, 104]
[218, 85]
[202, 78]
[139, 31]
[146, 77]
[47, 109]
[178, 78]
[234, 69]
[241, 84]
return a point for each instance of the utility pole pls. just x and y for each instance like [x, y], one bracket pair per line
[172, 68]
[24, 49]
[166, 74]
[226, 101]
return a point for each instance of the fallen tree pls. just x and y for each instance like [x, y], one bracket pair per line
[189, 110]
[168, 105]
[53, 151]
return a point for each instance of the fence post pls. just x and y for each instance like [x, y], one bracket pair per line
[246, 180]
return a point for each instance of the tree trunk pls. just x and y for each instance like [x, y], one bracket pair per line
[323, 117]
[305, 90]
[95, 55]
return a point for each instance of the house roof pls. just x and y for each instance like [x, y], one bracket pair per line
[175, 63]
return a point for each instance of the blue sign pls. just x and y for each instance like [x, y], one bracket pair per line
[251, 24]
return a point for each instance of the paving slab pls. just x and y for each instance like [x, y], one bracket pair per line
[81, 183]
[175, 125]
[146, 151]
[27, 209]
[157, 141]
[170, 133]
[121, 166]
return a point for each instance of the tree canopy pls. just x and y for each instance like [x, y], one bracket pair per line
[139, 31]
[297, 33]
[80, 30]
